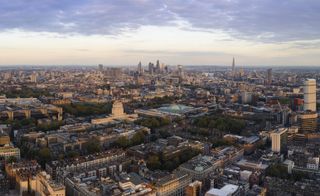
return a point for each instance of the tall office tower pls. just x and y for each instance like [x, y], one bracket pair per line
[166, 69]
[309, 95]
[100, 66]
[158, 66]
[33, 77]
[151, 68]
[279, 140]
[162, 65]
[180, 71]
[241, 72]
[269, 76]
[233, 67]
[140, 68]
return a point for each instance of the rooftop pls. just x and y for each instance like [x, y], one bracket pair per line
[176, 108]
[227, 190]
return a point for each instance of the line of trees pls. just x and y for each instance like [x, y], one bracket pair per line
[157, 161]
[32, 123]
[87, 109]
[155, 102]
[224, 124]
[25, 92]
[153, 122]
[280, 171]
[137, 138]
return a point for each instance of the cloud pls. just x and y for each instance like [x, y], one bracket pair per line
[266, 20]
[306, 45]
[177, 53]
[81, 16]
[258, 20]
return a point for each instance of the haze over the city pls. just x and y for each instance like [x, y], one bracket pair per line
[190, 32]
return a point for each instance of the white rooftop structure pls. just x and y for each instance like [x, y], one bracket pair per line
[227, 190]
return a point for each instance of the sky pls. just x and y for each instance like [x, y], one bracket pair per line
[188, 32]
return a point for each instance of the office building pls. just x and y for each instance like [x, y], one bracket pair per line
[246, 97]
[100, 66]
[233, 69]
[33, 77]
[46, 186]
[180, 71]
[140, 68]
[9, 151]
[4, 138]
[113, 72]
[200, 167]
[308, 121]
[194, 188]
[309, 95]
[151, 68]
[173, 184]
[279, 140]
[269, 76]
[22, 175]
[158, 66]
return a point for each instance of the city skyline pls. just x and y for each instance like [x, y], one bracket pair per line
[159, 130]
[177, 32]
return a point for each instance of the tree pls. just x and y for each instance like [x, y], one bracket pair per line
[165, 121]
[137, 138]
[26, 92]
[153, 122]
[12, 159]
[221, 123]
[176, 161]
[164, 133]
[202, 122]
[43, 156]
[187, 155]
[93, 146]
[45, 153]
[123, 142]
[168, 165]
[211, 124]
[277, 170]
[86, 109]
[153, 162]
[217, 143]
[72, 154]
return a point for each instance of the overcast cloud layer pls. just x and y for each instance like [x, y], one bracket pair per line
[262, 20]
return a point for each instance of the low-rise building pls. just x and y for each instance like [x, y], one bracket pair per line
[9, 151]
[46, 186]
[55, 168]
[200, 167]
[194, 189]
[22, 175]
[173, 185]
